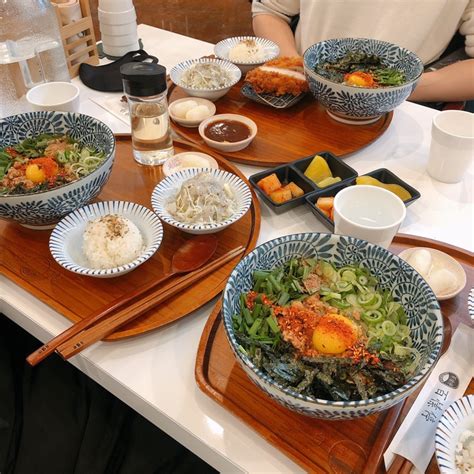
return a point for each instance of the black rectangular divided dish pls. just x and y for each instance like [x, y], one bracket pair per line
[384, 175]
[294, 171]
[285, 174]
[337, 167]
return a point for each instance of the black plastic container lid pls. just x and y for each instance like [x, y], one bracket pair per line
[143, 79]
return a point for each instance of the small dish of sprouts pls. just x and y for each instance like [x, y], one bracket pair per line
[206, 77]
[201, 201]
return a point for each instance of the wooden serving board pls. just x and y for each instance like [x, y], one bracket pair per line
[337, 446]
[287, 134]
[26, 260]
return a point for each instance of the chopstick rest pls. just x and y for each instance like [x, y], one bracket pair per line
[447, 382]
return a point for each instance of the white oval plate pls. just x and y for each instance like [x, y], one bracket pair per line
[442, 260]
[66, 239]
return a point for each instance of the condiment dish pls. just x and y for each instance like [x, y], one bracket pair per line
[442, 260]
[190, 123]
[166, 190]
[227, 146]
[457, 419]
[212, 93]
[188, 159]
[66, 241]
[270, 50]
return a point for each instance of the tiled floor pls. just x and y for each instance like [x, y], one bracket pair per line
[207, 20]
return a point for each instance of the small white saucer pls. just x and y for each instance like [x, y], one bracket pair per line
[442, 260]
[182, 161]
[191, 123]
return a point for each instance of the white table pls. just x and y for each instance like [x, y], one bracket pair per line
[154, 373]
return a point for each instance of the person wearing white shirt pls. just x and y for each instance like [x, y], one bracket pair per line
[423, 26]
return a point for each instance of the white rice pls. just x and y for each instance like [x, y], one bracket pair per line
[247, 51]
[111, 241]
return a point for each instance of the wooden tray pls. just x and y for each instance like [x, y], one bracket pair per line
[316, 445]
[311, 130]
[26, 259]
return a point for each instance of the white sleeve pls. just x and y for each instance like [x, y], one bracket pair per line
[285, 9]
[467, 28]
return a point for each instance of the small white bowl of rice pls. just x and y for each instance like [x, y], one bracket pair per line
[246, 52]
[106, 239]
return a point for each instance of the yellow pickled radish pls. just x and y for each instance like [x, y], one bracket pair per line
[318, 169]
[328, 181]
[400, 191]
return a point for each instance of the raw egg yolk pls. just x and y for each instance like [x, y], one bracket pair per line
[359, 79]
[334, 334]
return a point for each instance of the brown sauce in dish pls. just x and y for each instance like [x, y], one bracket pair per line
[227, 131]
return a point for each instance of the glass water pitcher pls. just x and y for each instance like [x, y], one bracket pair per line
[31, 51]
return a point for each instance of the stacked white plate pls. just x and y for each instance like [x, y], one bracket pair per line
[118, 26]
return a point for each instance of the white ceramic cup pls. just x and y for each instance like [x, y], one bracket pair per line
[369, 213]
[120, 18]
[115, 6]
[119, 30]
[56, 96]
[122, 40]
[452, 145]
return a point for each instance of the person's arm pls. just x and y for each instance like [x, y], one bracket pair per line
[277, 30]
[449, 84]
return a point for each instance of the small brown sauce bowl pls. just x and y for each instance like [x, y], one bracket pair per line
[228, 146]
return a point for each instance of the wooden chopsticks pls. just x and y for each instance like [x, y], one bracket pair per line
[79, 341]
[61, 339]
[49, 347]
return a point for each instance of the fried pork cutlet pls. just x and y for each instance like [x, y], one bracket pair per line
[280, 76]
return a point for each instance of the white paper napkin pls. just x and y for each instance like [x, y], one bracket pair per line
[113, 103]
[447, 382]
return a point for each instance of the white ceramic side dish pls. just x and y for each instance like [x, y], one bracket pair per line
[270, 50]
[168, 188]
[178, 116]
[188, 159]
[228, 146]
[66, 240]
[211, 93]
[444, 261]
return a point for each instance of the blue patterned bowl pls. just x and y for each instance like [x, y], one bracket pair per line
[44, 209]
[360, 105]
[407, 286]
[458, 418]
[66, 240]
[166, 189]
[213, 93]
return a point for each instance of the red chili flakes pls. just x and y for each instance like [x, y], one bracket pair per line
[252, 296]
[359, 352]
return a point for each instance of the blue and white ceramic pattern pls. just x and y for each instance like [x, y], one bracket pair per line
[275, 101]
[352, 104]
[166, 190]
[42, 210]
[456, 419]
[421, 306]
[66, 239]
[209, 94]
[270, 50]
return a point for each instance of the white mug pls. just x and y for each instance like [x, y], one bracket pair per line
[452, 145]
[368, 213]
[55, 96]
